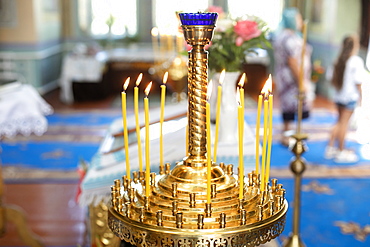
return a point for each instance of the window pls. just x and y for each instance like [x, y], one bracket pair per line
[119, 15]
[168, 23]
[268, 10]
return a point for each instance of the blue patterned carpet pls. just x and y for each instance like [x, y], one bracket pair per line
[335, 197]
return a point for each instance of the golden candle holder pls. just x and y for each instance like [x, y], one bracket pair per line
[297, 166]
[176, 213]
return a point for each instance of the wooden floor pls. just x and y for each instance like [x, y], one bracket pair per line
[51, 208]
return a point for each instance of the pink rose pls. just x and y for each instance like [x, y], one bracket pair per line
[246, 30]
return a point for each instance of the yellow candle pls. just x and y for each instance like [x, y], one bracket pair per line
[161, 118]
[265, 118]
[209, 162]
[147, 141]
[268, 160]
[125, 132]
[136, 109]
[218, 111]
[241, 154]
[301, 72]
[155, 45]
[269, 142]
[259, 106]
[241, 85]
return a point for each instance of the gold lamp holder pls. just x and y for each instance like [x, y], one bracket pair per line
[176, 213]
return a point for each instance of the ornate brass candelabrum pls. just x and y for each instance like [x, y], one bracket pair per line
[176, 213]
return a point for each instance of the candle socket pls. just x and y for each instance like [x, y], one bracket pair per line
[174, 190]
[250, 179]
[135, 175]
[159, 218]
[240, 205]
[208, 209]
[272, 207]
[282, 192]
[213, 191]
[142, 214]
[256, 180]
[222, 166]
[124, 182]
[277, 200]
[152, 178]
[200, 221]
[273, 184]
[179, 220]
[174, 208]
[142, 176]
[267, 185]
[192, 200]
[146, 203]
[243, 217]
[132, 195]
[167, 168]
[230, 170]
[129, 185]
[161, 169]
[117, 184]
[114, 199]
[263, 198]
[128, 209]
[112, 188]
[222, 220]
[279, 187]
[120, 205]
[259, 212]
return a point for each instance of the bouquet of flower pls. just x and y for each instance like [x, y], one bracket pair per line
[233, 39]
[317, 71]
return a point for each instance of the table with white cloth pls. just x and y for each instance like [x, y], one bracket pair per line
[80, 68]
[22, 110]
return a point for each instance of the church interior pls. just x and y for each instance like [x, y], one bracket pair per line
[71, 120]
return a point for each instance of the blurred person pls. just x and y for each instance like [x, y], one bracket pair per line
[288, 55]
[348, 74]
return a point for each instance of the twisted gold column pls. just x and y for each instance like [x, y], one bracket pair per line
[197, 37]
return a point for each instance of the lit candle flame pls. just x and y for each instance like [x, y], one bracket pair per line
[139, 78]
[165, 77]
[125, 86]
[147, 89]
[267, 88]
[222, 77]
[154, 31]
[209, 89]
[242, 80]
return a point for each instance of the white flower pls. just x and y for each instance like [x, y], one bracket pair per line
[223, 25]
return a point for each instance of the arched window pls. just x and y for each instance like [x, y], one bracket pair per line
[114, 17]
